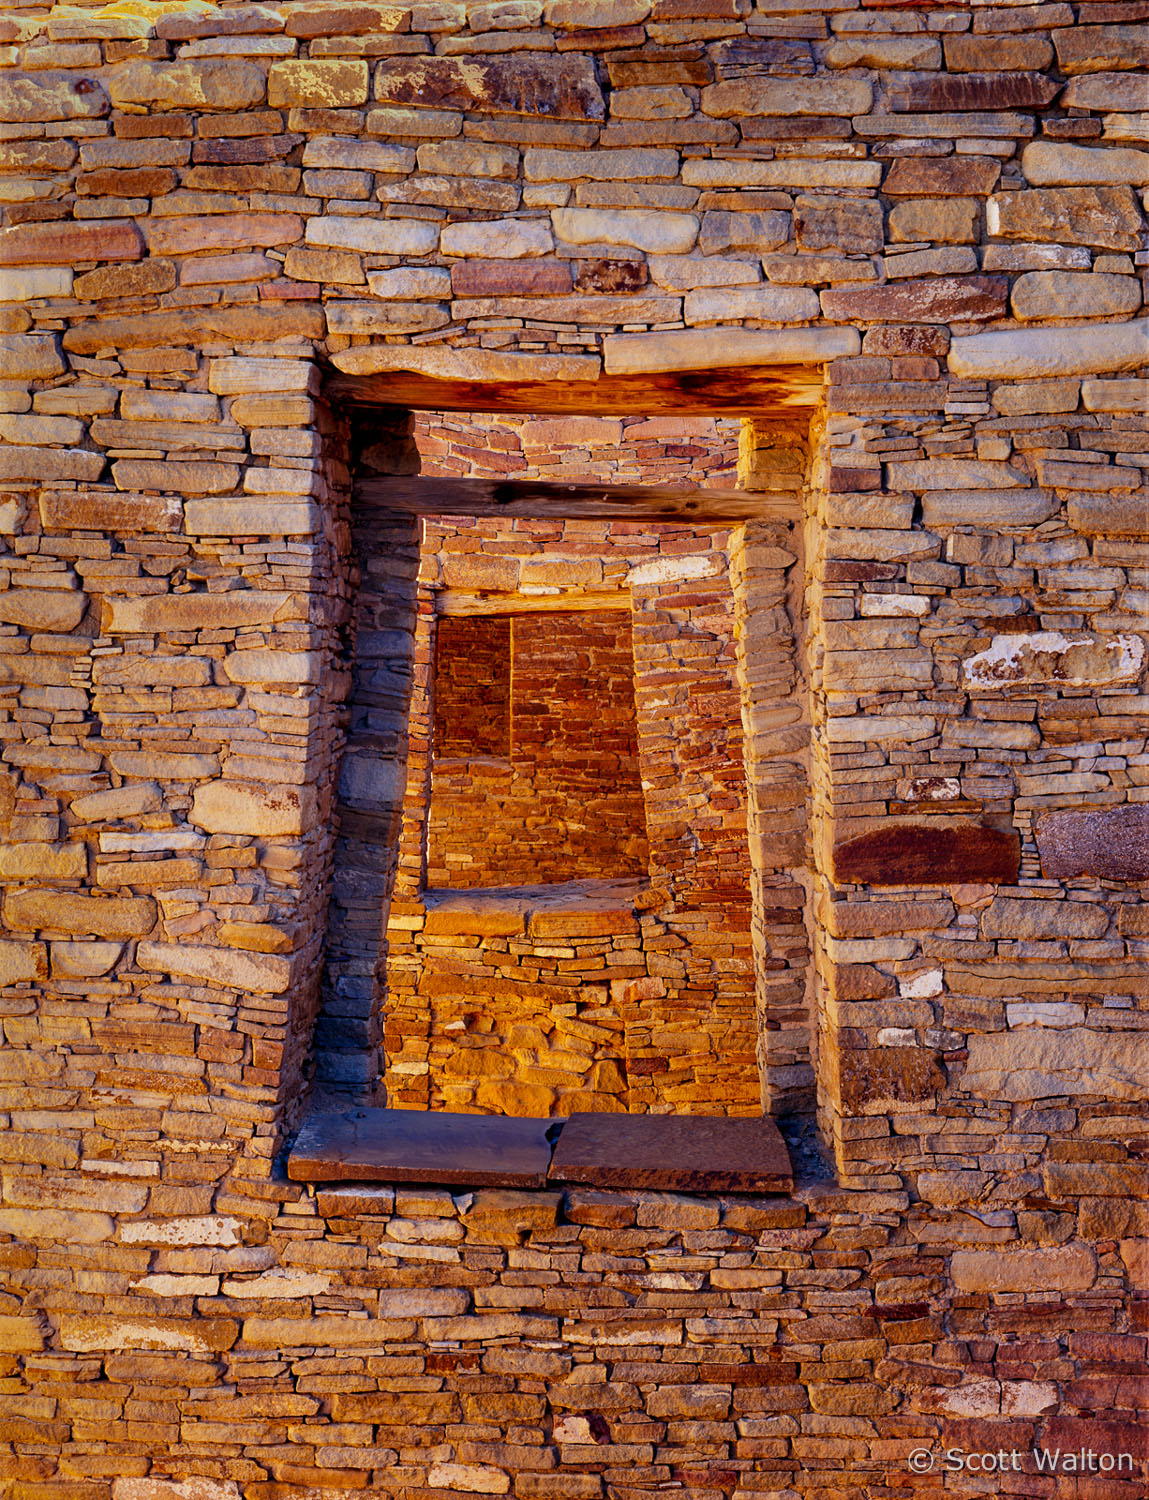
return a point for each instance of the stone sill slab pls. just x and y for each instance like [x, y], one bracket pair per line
[688, 1153]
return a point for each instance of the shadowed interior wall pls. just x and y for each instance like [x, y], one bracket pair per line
[563, 801]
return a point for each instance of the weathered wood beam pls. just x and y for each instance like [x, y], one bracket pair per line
[786, 392]
[540, 499]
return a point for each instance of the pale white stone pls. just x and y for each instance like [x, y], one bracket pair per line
[1043, 1013]
[1051, 656]
[373, 236]
[223, 806]
[770, 304]
[712, 348]
[1057, 163]
[1029, 352]
[896, 1036]
[411, 281]
[674, 569]
[166, 839]
[498, 239]
[252, 518]
[894, 604]
[868, 950]
[1028, 1398]
[23, 283]
[642, 229]
[922, 986]
[207, 1229]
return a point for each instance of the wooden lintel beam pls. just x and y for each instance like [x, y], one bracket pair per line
[785, 393]
[543, 499]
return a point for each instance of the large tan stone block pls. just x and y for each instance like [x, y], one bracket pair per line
[1063, 1268]
[321, 1332]
[1105, 217]
[69, 1227]
[43, 609]
[242, 807]
[661, 233]
[787, 96]
[326, 84]
[495, 365]
[64, 911]
[22, 961]
[1037, 1063]
[1074, 294]
[43, 861]
[129, 615]
[33, 356]
[89, 1333]
[1044, 352]
[265, 973]
[107, 510]
[1058, 163]
[207, 83]
[51, 95]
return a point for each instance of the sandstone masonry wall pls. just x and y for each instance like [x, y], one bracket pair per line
[912, 236]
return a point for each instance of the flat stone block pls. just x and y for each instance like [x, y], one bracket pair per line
[912, 854]
[402, 1145]
[681, 1152]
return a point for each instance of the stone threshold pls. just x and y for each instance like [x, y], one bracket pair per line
[685, 1153]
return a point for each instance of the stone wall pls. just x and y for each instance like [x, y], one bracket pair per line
[908, 241]
[684, 451]
[565, 801]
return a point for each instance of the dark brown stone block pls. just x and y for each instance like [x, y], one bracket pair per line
[784, 128]
[915, 854]
[684, 1152]
[1109, 843]
[241, 151]
[555, 88]
[940, 299]
[911, 339]
[403, 1145]
[610, 275]
[498, 278]
[941, 177]
[759, 57]
[887, 1075]
[974, 91]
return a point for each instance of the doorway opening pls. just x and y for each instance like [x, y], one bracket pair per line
[555, 891]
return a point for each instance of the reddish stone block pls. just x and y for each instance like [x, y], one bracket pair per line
[907, 340]
[70, 243]
[915, 854]
[497, 278]
[939, 177]
[884, 1075]
[1110, 843]
[974, 91]
[939, 299]
[562, 88]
